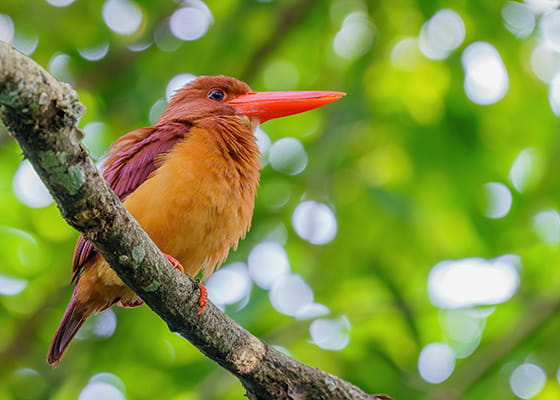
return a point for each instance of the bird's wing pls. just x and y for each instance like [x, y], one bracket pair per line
[131, 160]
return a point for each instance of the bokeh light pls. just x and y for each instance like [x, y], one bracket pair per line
[164, 39]
[156, 110]
[545, 62]
[355, 37]
[499, 200]
[527, 169]
[330, 334]
[11, 286]
[191, 22]
[473, 281]
[95, 53]
[100, 390]
[287, 155]
[140, 45]
[21, 254]
[436, 362]
[542, 6]
[406, 55]
[28, 383]
[105, 324]
[59, 66]
[229, 284]
[463, 350]
[486, 78]
[93, 134]
[441, 34]
[104, 386]
[518, 18]
[547, 226]
[462, 325]
[7, 29]
[550, 29]
[554, 94]
[312, 310]
[27, 44]
[263, 142]
[60, 3]
[111, 378]
[289, 294]
[314, 222]
[268, 262]
[176, 83]
[527, 380]
[122, 16]
[28, 187]
[278, 234]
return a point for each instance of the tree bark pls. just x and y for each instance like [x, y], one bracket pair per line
[41, 114]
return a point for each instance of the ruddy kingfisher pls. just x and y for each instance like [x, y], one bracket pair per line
[190, 181]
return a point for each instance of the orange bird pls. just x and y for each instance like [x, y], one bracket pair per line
[190, 181]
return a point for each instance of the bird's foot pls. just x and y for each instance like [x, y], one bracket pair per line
[175, 263]
[203, 298]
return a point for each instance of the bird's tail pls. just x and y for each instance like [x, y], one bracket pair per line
[74, 317]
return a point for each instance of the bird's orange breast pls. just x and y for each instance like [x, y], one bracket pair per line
[199, 202]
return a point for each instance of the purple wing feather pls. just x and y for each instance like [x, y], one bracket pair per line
[131, 166]
[132, 158]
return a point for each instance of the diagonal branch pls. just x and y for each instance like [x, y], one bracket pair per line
[41, 114]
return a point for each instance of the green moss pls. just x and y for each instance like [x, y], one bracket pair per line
[52, 160]
[153, 286]
[10, 97]
[138, 254]
[70, 178]
[74, 180]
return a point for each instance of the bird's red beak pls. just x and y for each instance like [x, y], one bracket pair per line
[269, 105]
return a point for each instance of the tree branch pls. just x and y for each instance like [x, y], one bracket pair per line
[41, 114]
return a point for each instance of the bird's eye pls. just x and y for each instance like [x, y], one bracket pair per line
[216, 94]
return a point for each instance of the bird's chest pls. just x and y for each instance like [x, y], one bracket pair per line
[196, 208]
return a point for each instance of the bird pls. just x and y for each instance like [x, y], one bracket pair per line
[190, 180]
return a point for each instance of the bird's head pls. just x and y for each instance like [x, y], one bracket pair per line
[213, 96]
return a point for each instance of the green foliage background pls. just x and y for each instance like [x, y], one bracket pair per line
[402, 160]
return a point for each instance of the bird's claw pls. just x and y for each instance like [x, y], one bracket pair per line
[175, 263]
[203, 298]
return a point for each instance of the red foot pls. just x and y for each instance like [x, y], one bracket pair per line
[203, 299]
[175, 263]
